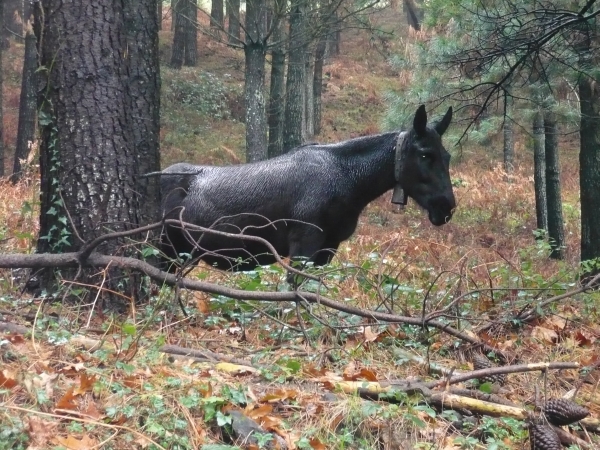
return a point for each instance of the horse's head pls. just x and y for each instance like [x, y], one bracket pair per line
[423, 167]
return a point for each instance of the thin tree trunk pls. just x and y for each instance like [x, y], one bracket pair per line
[216, 14]
[233, 27]
[539, 173]
[294, 89]
[318, 81]
[191, 34]
[277, 91]
[27, 106]
[1, 90]
[309, 97]
[179, 8]
[556, 232]
[255, 52]
[509, 141]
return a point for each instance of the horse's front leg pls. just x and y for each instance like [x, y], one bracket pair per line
[308, 247]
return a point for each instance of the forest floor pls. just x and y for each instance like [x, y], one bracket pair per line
[88, 377]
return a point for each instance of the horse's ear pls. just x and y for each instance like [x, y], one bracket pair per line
[443, 124]
[420, 121]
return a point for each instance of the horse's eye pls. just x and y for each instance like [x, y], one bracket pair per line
[426, 157]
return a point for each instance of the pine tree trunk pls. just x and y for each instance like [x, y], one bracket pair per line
[255, 52]
[509, 141]
[216, 14]
[1, 89]
[144, 92]
[277, 91]
[318, 81]
[191, 34]
[27, 106]
[179, 37]
[309, 98]
[589, 160]
[89, 160]
[294, 105]
[159, 13]
[556, 232]
[539, 173]
[334, 38]
[233, 27]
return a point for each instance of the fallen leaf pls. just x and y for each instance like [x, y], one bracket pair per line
[370, 335]
[7, 379]
[280, 395]
[235, 369]
[67, 401]
[544, 334]
[584, 339]
[261, 411]
[40, 431]
[317, 444]
[86, 384]
[72, 443]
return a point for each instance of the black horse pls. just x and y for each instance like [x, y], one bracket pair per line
[306, 202]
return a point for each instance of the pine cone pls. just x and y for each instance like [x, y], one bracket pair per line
[481, 362]
[543, 437]
[560, 411]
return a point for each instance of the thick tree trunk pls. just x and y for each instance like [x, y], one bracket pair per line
[233, 17]
[277, 91]
[27, 106]
[589, 168]
[179, 38]
[144, 92]
[255, 52]
[89, 160]
[539, 172]
[216, 14]
[191, 34]
[556, 232]
[159, 13]
[294, 105]
[318, 81]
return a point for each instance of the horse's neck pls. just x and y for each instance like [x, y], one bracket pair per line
[372, 167]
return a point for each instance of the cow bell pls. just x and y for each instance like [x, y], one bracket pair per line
[399, 197]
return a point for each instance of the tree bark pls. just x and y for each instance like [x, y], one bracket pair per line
[1, 89]
[27, 106]
[556, 232]
[309, 97]
[216, 14]
[539, 173]
[294, 105]
[159, 13]
[255, 51]
[589, 157]
[90, 156]
[509, 141]
[179, 38]
[144, 92]
[318, 81]
[277, 90]
[191, 34]
[233, 27]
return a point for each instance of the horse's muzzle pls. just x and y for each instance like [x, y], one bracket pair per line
[440, 209]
